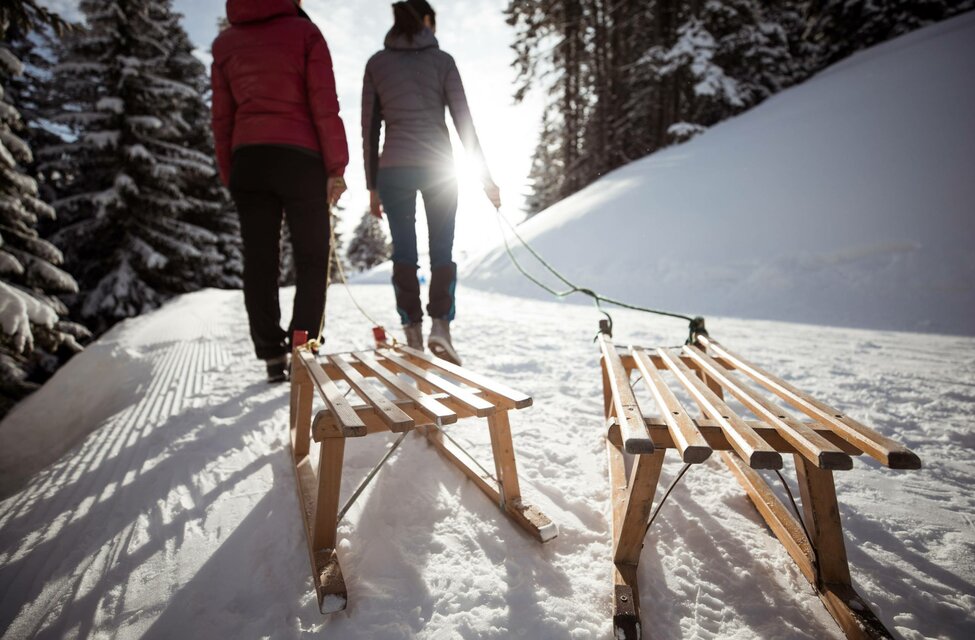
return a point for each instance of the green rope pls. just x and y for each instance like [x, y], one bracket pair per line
[597, 298]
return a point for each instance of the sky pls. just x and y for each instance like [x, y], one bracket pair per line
[475, 33]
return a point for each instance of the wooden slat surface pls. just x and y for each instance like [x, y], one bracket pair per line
[811, 445]
[347, 418]
[749, 445]
[716, 439]
[633, 429]
[481, 407]
[392, 416]
[883, 449]
[690, 442]
[440, 414]
[507, 398]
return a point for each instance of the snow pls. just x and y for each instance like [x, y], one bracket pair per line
[846, 200]
[147, 485]
[177, 514]
[111, 104]
[18, 310]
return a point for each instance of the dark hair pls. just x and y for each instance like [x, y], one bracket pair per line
[408, 18]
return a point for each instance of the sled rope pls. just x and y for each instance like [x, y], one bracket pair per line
[597, 298]
[316, 344]
[372, 474]
[673, 484]
[802, 523]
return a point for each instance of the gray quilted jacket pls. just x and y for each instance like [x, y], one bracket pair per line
[408, 85]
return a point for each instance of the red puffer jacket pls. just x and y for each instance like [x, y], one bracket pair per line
[273, 84]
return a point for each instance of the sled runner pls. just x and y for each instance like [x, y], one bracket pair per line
[395, 389]
[707, 372]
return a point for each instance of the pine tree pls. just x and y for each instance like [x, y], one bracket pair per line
[214, 210]
[842, 27]
[130, 181]
[34, 336]
[369, 246]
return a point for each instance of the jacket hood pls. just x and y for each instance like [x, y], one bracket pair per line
[244, 11]
[423, 40]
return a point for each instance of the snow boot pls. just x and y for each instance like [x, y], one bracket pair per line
[414, 335]
[439, 341]
[278, 369]
[406, 285]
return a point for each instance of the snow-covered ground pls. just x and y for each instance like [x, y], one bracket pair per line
[847, 200]
[177, 515]
[147, 489]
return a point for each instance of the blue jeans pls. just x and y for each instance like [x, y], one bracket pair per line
[398, 187]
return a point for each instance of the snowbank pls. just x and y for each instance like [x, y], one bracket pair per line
[846, 200]
[107, 379]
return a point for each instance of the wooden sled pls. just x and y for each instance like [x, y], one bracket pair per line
[705, 371]
[396, 389]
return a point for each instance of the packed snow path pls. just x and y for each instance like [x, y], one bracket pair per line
[177, 515]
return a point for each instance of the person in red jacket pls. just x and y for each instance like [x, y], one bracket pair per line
[280, 146]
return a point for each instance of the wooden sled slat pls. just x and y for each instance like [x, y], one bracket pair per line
[883, 449]
[749, 445]
[348, 419]
[633, 429]
[716, 439]
[502, 396]
[391, 415]
[479, 406]
[440, 414]
[810, 444]
[687, 438]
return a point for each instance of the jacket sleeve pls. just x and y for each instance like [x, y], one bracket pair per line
[371, 126]
[324, 104]
[460, 112]
[223, 111]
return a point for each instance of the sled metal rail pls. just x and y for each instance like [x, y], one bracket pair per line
[823, 442]
[396, 389]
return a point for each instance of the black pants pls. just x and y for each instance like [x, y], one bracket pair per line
[265, 181]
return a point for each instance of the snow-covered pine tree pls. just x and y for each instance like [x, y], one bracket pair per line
[724, 58]
[32, 92]
[34, 336]
[547, 173]
[130, 180]
[842, 27]
[369, 246]
[213, 209]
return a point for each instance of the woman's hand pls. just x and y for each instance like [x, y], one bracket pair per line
[335, 187]
[493, 194]
[375, 205]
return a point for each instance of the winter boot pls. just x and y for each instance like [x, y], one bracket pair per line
[407, 288]
[443, 283]
[279, 368]
[439, 341]
[414, 335]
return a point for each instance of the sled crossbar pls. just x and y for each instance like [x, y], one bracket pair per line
[392, 389]
[754, 437]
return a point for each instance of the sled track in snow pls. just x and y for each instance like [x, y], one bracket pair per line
[67, 495]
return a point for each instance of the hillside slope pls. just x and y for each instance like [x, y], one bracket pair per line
[847, 200]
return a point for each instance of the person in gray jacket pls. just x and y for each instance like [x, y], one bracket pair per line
[408, 86]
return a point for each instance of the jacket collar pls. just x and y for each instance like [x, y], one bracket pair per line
[244, 11]
[423, 40]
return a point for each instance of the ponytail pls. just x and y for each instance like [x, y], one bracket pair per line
[408, 18]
